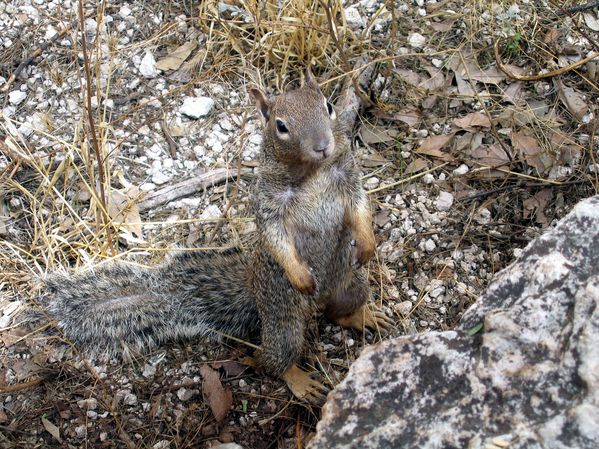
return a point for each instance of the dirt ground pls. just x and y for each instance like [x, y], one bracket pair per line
[479, 132]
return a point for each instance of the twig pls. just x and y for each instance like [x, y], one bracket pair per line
[38, 51]
[172, 145]
[541, 76]
[188, 187]
[411, 178]
[580, 8]
[92, 125]
[22, 386]
[333, 32]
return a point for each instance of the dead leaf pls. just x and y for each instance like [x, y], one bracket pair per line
[51, 429]
[468, 142]
[377, 134]
[475, 119]
[185, 73]
[382, 218]
[491, 75]
[536, 206]
[492, 155]
[436, 80]
[416, 165]
[591, 21]
[568, 149]
[219, 398]
[123, 210]
[573, 100]
[464, 87]
[445, 26]
[410, 117]
[374, 159]
[432, 146]
[527, 145]
[514, 93]
[409, 77]
[175, 58]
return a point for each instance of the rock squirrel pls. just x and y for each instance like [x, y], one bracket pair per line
[314, 233]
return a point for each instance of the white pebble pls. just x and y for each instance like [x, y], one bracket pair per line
[196, 107]
[461, 170]
[444, 201]
[16, 97]
[147, 66]
[416, 40]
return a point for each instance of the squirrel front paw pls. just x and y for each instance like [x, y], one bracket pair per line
[303, 280]
[362, 251]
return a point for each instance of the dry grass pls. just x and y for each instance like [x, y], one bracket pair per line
[60, 219]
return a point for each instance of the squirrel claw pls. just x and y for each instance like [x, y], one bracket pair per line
[365, 317]
[303, 386]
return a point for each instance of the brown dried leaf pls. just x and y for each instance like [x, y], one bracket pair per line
[464, 87]
[528, 147]
[410, 118]
[475, 119]
[51, 429]
[492, 75]
[377, 134]
[514, 93]
[219, 398]
[536, 206]
[491, 155]
[444, 26]
[432, 146]
[591, 21]
[175, 58]
[573, 100]
[374, 160]
[409, 77]
[123, 210]
[416, 165]
[436, 80]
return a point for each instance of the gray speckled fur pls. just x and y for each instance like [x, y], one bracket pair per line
[240, 294]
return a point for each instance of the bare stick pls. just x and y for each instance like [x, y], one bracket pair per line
[188, 187]
[34, 54]
[541, 76]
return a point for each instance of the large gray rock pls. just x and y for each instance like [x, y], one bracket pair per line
[528, 379]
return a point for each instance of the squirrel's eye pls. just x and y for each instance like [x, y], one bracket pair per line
[330, 108]
[281, 127]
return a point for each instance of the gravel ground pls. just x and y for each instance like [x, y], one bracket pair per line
[442, 230]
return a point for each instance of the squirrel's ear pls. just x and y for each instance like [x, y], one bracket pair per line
[310, 80]
[262, 103]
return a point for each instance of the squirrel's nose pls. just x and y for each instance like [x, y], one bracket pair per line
[321, 146]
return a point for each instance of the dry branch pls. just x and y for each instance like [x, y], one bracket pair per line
[188, 187]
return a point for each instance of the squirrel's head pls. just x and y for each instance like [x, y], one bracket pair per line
[298, 124]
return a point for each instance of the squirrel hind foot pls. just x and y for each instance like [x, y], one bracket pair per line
[303, 386]
[366, 317]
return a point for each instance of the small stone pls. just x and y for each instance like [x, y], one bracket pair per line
[372, 183]
[404, 308]
[4, 321]
[444, 201]
[160, 178]
[184, 394]
[416, 40]
[353, 18]
[130, 399]
[149, 370]
[16, 97]
[124, 11]
[147, 67]
[88, 404]
[80, 431]
[196, 107]
[211, 212]
[461, 170]
[429, 246]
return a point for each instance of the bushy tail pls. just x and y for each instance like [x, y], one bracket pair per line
[121, 307]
